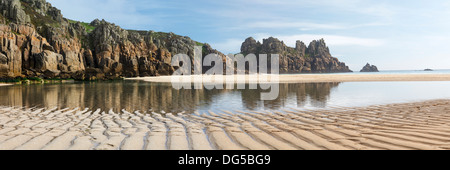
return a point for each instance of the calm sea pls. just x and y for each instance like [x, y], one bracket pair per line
[161, 97]
[441, 71]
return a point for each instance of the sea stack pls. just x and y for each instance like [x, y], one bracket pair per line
[370, 68]
[314, 58]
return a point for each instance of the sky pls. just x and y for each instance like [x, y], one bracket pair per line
[393, 35]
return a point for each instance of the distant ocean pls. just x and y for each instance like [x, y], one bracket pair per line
[440, 71]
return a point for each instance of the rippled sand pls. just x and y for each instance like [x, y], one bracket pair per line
[424, 125]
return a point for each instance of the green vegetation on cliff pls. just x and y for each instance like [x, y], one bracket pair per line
[37, 19]
[88, 27]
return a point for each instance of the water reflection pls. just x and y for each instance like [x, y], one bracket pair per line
[316, 94]
[144, 96]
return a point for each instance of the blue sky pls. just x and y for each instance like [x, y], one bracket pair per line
[394, 35]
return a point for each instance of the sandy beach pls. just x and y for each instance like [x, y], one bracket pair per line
[409, 126]
[2, 84]
[311, 78]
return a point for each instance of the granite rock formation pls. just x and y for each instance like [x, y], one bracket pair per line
[37, 41]
[315, 58]
[369, 68]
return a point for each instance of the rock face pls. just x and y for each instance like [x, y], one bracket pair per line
[369, 68]
[42, 43]
[315, 58]
[37, 41]
[12, 9]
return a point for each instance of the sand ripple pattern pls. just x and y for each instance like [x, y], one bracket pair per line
[409, 126]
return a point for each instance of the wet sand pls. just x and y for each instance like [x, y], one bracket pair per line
[312, 78]
[409, 126]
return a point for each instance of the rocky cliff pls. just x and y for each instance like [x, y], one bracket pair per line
[369, 68]
[37, 41]
[315, 58]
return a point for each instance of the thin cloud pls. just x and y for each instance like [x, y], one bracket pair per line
[300, 25]
[331, 40]
[365, 7]
[229, 46]
[233, 45]
[305, 26]
[122, 12]
[233, 8]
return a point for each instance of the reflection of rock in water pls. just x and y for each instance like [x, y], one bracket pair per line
[130, 96]
[143, 96]
[318, 93]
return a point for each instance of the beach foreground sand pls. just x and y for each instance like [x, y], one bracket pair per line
[422, 125]
[311, 78]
